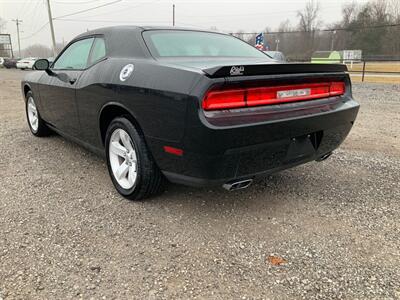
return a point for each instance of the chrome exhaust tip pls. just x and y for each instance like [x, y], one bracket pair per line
[237, 185]
[323, 157]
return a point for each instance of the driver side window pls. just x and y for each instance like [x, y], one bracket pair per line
[75, 57]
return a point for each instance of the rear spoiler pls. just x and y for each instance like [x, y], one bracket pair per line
[273, 69]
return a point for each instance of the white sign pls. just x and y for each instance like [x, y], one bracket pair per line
[5, 39]
[352, 55]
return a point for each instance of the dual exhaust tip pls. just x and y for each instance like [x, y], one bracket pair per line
[325, 156]
[237, 185]
[245, 183]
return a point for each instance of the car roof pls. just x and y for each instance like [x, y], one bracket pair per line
[133, 28]
[126, 40]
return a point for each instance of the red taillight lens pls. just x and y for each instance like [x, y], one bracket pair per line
[224, 99]
[337, 88]
[255, 96]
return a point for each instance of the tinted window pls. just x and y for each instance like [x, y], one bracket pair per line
[98, 50]
[175, 43]
[75, 57]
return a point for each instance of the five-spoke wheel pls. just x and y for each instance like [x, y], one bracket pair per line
[131, 166]
[32, 114]
[123, 158]
[36, 124]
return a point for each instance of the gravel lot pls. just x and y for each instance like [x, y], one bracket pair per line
[65, 232]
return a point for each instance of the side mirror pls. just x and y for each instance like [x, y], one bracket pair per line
[41, 64]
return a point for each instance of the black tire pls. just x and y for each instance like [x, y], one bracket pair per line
[42, 129]
[150, 181]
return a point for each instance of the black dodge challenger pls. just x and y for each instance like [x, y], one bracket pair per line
[194, 107]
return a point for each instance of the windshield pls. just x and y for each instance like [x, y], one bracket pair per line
[185, 43]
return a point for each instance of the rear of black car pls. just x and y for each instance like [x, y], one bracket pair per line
[259, 124]
[251, 116]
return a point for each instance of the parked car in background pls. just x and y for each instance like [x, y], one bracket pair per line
[277, 55]
[26, 63]
[10, 63]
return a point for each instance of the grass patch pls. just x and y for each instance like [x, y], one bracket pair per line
[376, 67]
[376, 79]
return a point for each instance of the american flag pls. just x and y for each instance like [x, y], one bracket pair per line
[260, 41]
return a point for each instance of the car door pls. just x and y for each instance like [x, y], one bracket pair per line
[58, 90]
[90, 93]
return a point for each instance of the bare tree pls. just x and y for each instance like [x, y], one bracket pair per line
[37, 50]
[308, 23]
[309, 16]
[349, 13]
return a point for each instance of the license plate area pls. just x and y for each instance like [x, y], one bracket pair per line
[302, 147]
[293, 93]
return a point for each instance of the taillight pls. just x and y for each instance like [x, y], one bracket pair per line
[224, 99]
[255, 96]
[337, 88]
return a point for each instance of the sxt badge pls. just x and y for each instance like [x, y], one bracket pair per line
[126, 72]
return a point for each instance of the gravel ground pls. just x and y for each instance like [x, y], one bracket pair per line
[325, 230]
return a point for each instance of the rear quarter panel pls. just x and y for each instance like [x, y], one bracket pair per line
[154, 94]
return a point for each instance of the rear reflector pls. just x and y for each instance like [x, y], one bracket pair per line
[173, 150]
[255, 96]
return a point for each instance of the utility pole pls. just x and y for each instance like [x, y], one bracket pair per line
[332, 39]
[173, 14]
[18, 22]
[51, 28]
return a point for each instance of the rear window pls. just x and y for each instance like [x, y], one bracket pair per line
[184, 43]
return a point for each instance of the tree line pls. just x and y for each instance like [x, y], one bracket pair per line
[373, 27]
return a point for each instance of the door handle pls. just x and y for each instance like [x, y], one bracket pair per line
[72, 80]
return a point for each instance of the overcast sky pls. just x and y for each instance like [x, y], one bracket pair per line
[227, 16]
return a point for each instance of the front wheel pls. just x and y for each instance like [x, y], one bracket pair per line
[130, 164]
[36, 124]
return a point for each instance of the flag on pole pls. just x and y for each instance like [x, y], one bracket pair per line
[260, 41]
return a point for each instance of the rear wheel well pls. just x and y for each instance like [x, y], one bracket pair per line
[111, 112]
[26, 90]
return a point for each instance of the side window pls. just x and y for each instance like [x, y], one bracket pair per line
[98, 50]
[75, 57]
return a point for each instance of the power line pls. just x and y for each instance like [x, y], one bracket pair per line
[120, 9]
[114, 22]
[22, 10]
[37, 16]
[76, 2]
[36, 32]
[88, 9]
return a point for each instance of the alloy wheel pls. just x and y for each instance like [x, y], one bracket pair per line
[123, 158]
[33, 114]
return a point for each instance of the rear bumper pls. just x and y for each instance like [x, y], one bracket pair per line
[215, 154]
[204, 182]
